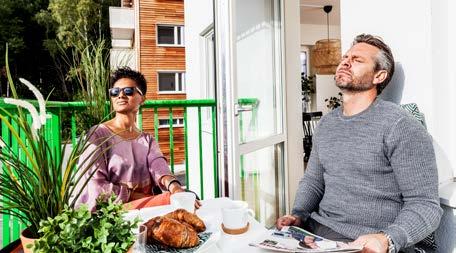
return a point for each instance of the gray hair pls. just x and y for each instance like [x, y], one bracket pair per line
[384, 59]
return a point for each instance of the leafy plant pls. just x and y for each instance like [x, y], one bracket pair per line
[307, 87]
[89, 67]
[35, 183]
[82, 231]
[334, 102]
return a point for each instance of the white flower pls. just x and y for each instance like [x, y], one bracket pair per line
[24, 104]
[39, 97]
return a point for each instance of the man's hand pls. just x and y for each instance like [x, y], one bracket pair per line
[288, 220]
[373, 243]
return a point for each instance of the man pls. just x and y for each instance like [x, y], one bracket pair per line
[372, 175]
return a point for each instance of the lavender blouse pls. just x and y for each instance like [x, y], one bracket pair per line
[134, 164]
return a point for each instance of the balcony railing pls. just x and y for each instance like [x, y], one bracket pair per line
[199, 144]
[151, 111]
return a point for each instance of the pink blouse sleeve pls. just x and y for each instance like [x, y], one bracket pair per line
[95, 162]
[158, 166]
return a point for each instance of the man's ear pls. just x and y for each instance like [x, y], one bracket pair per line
[380, 76]
[143, 98]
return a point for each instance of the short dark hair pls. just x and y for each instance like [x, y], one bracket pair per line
[383, 61]
[126, 72]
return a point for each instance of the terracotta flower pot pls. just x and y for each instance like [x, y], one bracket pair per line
[26, 240]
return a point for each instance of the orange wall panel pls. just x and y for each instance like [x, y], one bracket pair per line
[155, 58]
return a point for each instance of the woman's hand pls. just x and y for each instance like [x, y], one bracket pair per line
[180, 189]
[175, 187]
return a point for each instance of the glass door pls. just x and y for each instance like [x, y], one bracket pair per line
[250, 98]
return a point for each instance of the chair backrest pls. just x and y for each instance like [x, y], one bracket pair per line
[309, 122]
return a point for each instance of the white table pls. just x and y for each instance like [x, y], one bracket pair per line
[211, 212]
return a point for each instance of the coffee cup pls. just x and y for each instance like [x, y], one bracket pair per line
[185, 200]
[235, 217]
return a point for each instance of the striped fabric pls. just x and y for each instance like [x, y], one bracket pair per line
[413, 109]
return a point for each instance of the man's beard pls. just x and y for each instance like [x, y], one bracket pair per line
[357, 84]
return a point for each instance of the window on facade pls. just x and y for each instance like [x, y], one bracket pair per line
[170, 35]
[164, 123]
[172, 82]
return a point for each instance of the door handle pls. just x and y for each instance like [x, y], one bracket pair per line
[242, 108]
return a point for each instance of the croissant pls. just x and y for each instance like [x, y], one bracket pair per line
[171, 233]
[182, 215]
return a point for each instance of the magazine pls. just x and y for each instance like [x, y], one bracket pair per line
[291, 239]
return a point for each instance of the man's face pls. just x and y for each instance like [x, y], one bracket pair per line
[356, 70]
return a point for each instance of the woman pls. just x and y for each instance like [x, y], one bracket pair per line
[132, 164]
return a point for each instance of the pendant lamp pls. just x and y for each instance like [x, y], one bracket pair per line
[326, 53]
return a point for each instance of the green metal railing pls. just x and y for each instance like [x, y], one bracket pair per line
[11, 227]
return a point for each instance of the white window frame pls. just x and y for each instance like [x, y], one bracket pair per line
[306, 49]
[176, 28]
[176, 76]
[179, 123]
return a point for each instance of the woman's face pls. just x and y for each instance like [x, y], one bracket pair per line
[123, 103]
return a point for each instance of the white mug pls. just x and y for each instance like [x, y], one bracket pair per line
[185, 200]
[235, 215]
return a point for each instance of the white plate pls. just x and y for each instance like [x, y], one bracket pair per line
[145, 214]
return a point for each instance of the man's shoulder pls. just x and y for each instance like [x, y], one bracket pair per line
[391, 112]
[402, 122]
[391, 108]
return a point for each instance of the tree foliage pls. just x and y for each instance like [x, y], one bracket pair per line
[37, 31]
[75, 22]
[24, 36]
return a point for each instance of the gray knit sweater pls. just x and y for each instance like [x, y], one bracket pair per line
[371, 172]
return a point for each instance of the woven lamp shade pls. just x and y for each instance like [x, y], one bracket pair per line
[326, 55]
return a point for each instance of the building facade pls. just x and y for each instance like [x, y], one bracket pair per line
[148, 35]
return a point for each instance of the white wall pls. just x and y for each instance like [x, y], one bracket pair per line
[325, 87]
[421, 42]
[198, 16]
[295, 133]
[310, 33]
[443, 69]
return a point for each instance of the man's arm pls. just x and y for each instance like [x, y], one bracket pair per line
[310, 188]
[411, 154]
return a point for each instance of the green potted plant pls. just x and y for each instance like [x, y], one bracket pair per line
[79, 230]
[307, 89]
[334, 102]
[35, 184]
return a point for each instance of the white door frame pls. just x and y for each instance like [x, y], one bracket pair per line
[228, 141]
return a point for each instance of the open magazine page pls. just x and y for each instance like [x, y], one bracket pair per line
[289, 240]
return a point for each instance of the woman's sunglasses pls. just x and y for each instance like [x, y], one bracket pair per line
[128, 91]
